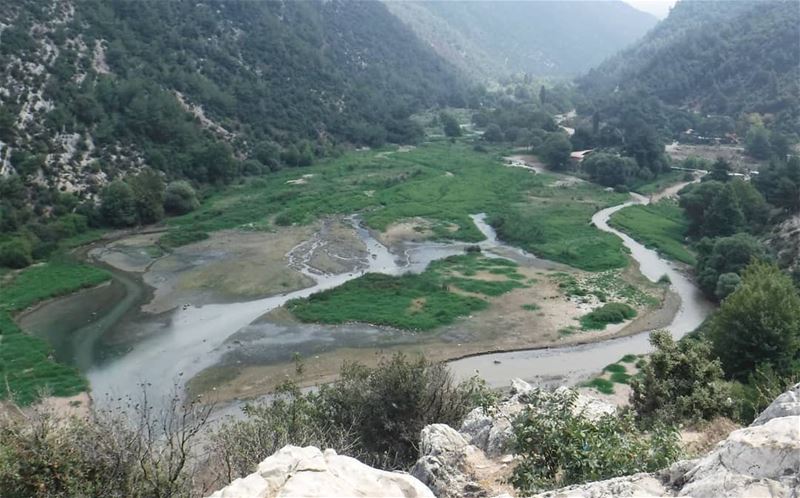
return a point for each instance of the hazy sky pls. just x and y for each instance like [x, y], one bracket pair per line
[659, 8]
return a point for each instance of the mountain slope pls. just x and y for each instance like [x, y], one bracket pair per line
[94, 88]
[725, 57]
[489, 39]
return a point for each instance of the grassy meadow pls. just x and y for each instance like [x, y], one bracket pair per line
[661, 226]
[446, 290]
[441, 181]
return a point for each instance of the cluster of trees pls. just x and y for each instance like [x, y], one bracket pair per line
[143, 199]
[726, 215]
[735, 365]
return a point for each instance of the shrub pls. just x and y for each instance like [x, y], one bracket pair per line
[374, 414]
[180, 198]
[16, 253]
[680, 381]
[608, 313]
[559, 447]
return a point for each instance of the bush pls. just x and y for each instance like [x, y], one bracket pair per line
[180, 198]
[117, 205]
[374, 414]
[558, 447]
[680, 381]
[16, 253]
[608, 313]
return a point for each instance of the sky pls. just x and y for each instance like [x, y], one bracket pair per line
[659, 8]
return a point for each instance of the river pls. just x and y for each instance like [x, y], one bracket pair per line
[181, 343]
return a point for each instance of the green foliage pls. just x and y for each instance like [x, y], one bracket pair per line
[680, 382]
[757, 142]
[118, 204]
[758, 325]
[780, 184]
[677, 65]
[555, 151]
[610, 169]
[724, 256]
[450, 125]
[605, 314]
[26, 366]
[662, 226]
[604, 386]
[559, 448]
[414, 301]
[375, 414]
[148, 192]
[177, 238]
[16, 253]
[717, 209]
[180, 198]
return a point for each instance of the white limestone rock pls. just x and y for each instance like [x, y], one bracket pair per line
[446, 463]
[295, 472]
[785, 405]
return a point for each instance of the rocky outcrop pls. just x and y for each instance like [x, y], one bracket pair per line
[310, 473]
[762, 460]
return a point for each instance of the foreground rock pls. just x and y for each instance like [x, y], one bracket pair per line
[310, 473]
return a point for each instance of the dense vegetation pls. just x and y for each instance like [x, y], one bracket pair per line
[203, 92]
[415, 301]
[662, 226]
[558, 445]
[723, 59]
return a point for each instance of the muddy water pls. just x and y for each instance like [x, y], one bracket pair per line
[572, 364]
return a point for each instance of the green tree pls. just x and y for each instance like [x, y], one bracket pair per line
[679, 381]
[555, 151]
[724, 255]
[450, 125]
[180, 198]
[148, 193]
[720, 171]
[542, 95]
[724, 216]
[493, 133]
[757, 142]
[117, 204]
[759, 324]
[610, 169]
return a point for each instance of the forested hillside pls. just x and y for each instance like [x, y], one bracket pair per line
[193, 88]
[491, 39]
[726, 58]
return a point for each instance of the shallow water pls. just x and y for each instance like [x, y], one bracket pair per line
[574, 363]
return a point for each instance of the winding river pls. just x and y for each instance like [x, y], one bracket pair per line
[182, 343]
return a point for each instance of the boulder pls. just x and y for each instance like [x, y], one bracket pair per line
[446, 464]
[785, 405]
[310, 473]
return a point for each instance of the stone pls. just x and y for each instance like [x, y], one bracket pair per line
[445, 464]
[635, 486]
[295, 472]
[785, 405]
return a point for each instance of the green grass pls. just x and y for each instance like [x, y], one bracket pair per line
[663, 181]
[603, 385]
[413, 302]
[441, 181]
[661, 226]
[608, 313]
[531, 307]
[26, 367]
[629, 358]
